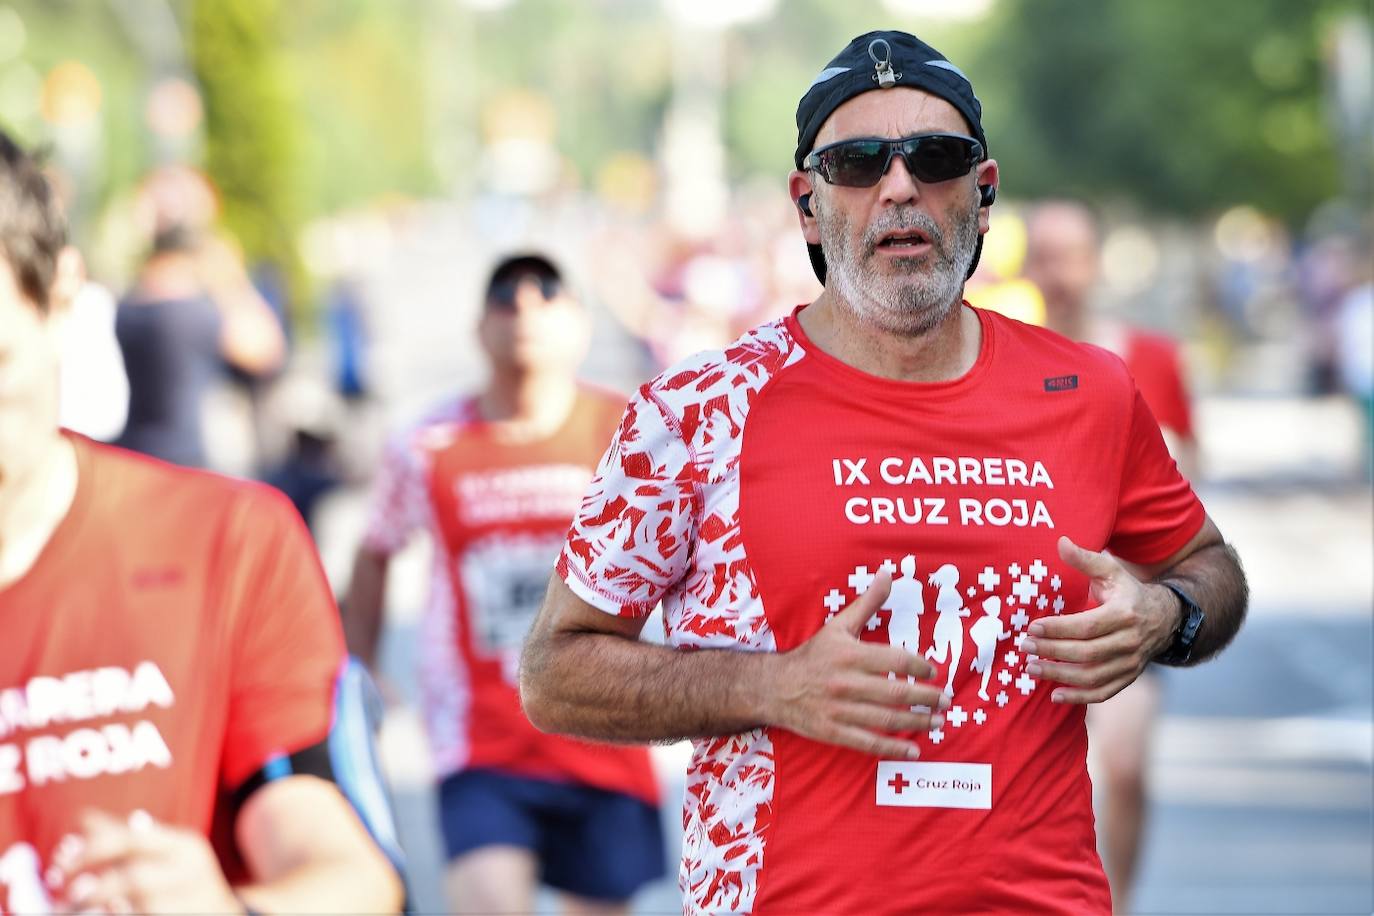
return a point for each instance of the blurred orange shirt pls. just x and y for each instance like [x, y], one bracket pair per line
[175, 635]
[498, 512]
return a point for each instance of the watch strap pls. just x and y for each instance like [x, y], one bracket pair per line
[1180, 650]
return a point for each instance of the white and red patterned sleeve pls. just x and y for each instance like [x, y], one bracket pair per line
[399, 497]
[631, 540]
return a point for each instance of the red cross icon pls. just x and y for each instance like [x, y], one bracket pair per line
[898, 783]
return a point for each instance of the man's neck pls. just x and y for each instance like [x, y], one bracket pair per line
[943, 353]
[527, 405]
[34, 499]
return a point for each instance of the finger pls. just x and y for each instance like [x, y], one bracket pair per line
[1085, 676]
[1095, 563]
[867, 742]
[1094, 695]
[879, 659]
[1090, 624]
[853, 617]
[1082, 651]
[107, 840]
[891, 720]
[892, 692]
[105, 891]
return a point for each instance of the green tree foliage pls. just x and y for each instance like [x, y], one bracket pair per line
[251, 131]
[1180, 106]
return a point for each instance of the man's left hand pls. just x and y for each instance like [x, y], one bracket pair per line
[1099, 651]
[147, 867]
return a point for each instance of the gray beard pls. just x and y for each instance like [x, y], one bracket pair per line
[921, 292]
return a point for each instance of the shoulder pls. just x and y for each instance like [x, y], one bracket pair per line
[437, 427]
[736, 371]
[1030, 347]
[166, 495]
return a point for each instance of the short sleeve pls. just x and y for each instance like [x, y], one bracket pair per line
[632, 538]
[399, 498]
[286, 645]
[1157, 511]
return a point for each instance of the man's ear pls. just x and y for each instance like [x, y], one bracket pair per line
[986, 175]
[801, 190]
[67, 279]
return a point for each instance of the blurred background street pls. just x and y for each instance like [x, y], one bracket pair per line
[351, 168]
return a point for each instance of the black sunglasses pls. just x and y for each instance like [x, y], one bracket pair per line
[861, 163]
[502, 293]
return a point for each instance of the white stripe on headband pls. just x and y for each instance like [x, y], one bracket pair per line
[946, 65]
[827, 74]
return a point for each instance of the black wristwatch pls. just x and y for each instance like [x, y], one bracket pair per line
[1180, 650]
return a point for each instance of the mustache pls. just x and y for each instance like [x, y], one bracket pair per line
[900, 220]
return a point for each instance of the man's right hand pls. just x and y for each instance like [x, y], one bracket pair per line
[836, 689]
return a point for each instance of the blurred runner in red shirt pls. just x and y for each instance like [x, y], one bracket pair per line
[172, 665]
[494, 479]
[1063, 259]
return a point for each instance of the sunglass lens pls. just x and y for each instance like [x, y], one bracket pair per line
[857, 165]
[938, 158]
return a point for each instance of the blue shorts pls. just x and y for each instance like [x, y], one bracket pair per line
[589, 842]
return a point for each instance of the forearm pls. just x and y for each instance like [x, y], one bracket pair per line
[307, 852]
[362, 605]
[611, 688]
[1212, 577]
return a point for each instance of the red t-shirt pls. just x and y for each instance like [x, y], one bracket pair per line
[757, 490]
[1157, 367]
[497, 512]
[175, 634]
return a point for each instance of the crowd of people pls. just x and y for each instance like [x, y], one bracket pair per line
[914, 558]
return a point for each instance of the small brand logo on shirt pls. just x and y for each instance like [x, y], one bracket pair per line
[157, 577]
[1061, 383]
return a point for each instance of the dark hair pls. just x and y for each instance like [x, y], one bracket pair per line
[510, 272]
[32, 230]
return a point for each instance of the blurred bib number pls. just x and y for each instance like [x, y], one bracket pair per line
[504, 578]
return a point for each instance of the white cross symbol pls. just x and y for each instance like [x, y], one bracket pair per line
[1014, 569]
[1020, 638]
[860, 580]
[834, 601]
[1004, 676]
[1041, 602]
[989, 579]
[972, 591]
[1019, 619]
[1025, 683]
[956, 716]
[1002, 698]
[1059, 604]
[1038, 571]
[1010, 659]
[936, 736]
[888, 567]
[1055, 582]
[873, 623]
[979, 716]
[1025, 590]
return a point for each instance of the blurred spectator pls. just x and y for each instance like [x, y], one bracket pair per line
[1355, 356]
[1063, 257]
[191, 312]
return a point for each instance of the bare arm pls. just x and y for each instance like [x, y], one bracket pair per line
[584, 672]
[363, 604]
[309, 853]
[251, 338]
[1101, 650]
[305, 848]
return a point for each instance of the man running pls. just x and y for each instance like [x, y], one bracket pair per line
[494, 479]
[171, 736]
[756, 490]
